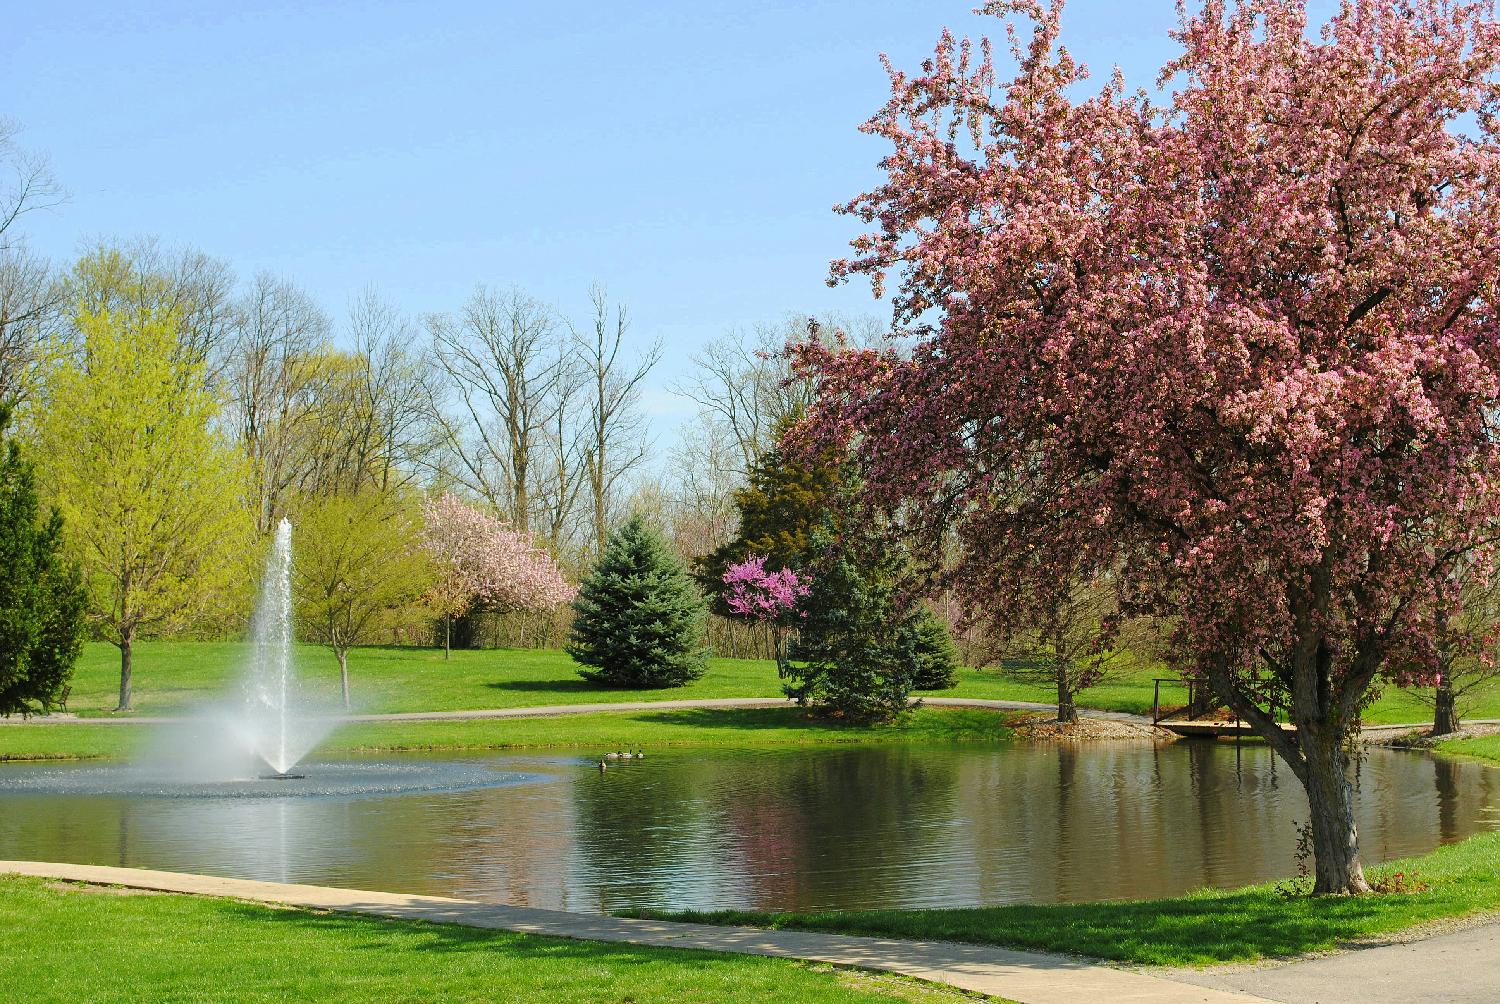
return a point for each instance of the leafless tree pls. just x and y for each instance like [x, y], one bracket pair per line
[743, 384]
[497, 358]
[703, 472]
[30, 298]
[275, 353]
[30, 304]
[559, 473]
[369, 422]
[27, 184]
[1065, 649]
[614, 438]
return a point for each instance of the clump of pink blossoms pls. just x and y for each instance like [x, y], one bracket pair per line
[751, 591]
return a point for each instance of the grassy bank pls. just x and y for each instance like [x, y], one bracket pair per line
[172, 677]
[596, 732]
[1481, 748]
[73, 943]
[1208, 927]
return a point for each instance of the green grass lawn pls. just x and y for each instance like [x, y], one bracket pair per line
[74, 943]
[173, 676]
[1481, 747]
[597, 732]
[1208, 927]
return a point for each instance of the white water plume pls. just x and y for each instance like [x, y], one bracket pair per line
[269, 723]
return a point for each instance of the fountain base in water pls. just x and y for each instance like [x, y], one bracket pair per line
[341, 779]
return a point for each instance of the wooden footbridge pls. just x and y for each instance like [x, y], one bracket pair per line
[1192, 718]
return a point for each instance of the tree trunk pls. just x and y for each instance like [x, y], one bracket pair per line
[343, 655]
[127, 639]
[1317, 756]
[1445, 720]
[1330, 798]
[447, 637]
[1067, 711]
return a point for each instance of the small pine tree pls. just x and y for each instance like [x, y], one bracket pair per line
[42, 599]
[638, 620]
[932, 647]
[855, 655]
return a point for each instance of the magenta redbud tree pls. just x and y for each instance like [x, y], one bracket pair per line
[768, 597]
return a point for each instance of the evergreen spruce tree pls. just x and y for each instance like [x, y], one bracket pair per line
[936, 658]
[42, 599]
[856, 652]
[638, 619]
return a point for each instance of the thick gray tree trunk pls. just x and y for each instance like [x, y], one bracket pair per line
[1317, 756]
[1330, 798]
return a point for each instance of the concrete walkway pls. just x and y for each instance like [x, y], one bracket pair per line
[1028, 977]
[1458, 968]
[551, 710]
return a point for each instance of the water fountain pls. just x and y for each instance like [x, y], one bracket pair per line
[230, 749]
[270, 725]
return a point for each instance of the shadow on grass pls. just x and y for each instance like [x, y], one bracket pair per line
[743, 718]
[933, 725]
[439, 934]
[546, 686]
[1200, 929]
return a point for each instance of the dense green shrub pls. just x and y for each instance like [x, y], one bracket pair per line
[42, 600]
[855, 654]
[936, 658]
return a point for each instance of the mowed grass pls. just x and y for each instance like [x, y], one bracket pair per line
[174, 676]
[596, 732]
[1480, 747]
[1257, 922]
[67, 943]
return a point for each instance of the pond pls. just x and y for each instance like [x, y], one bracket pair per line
[796, 828]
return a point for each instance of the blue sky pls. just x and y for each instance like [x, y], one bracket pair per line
[685, 154]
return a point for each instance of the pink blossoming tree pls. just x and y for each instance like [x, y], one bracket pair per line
[768, 597]
[481, 562]
[1238, 353]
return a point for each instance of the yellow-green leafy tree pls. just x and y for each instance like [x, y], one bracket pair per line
[152, 493]
[357, 556]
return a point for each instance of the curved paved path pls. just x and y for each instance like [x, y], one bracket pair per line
[1458, 968]
[1028, 977]
[551, 710]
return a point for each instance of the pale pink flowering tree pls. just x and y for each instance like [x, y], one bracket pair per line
[768, 597]
[1238, 353]
[481, 562]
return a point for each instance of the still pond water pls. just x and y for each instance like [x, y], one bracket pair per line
[783, 828]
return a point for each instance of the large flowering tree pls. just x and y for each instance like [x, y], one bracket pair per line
[1237, 353]
[480, 561]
